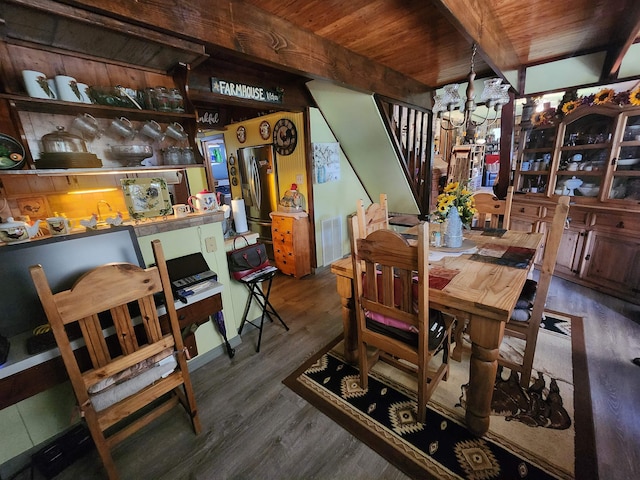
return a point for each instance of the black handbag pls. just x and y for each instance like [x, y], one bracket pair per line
[246, 260]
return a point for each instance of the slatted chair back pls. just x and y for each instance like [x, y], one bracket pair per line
[126, 345]
[493, 212]
[528, 329]
[391, 285]
[374, 217]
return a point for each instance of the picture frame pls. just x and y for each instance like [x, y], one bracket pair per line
[34, 207]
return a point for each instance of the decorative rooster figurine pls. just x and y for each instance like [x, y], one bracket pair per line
[116, 220]
[91, 223]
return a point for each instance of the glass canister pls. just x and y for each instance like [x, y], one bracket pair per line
[187, 156]
[176, 101]
[163, 103]
[149, 98]
[172, 156]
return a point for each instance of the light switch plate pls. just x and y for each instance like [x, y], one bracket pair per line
[299, 178]
[210, 244]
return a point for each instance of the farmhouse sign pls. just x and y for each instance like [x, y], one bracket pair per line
[249, 92]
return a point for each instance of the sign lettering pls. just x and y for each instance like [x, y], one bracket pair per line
[249, 92]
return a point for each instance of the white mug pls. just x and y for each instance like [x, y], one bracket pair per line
[68, 89]
[83, 88]
[58, 225]
[180, 210]
[37, 85]
[52, 87]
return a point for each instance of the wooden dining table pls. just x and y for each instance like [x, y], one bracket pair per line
[482, 293]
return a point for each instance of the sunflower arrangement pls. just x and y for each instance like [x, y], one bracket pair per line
[545, 117]
[604, 96]
[634, 96]
[455, 195]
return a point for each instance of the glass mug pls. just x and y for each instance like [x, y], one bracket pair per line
[123, 128]
[87, 125]
[153, 130]
[176, 131]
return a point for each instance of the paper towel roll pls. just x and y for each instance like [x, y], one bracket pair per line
[239, 215]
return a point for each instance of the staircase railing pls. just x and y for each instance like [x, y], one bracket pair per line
[410, 129]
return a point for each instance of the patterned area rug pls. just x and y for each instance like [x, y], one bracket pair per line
[543, 432]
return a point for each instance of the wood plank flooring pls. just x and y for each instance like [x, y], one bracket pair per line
[255, 428]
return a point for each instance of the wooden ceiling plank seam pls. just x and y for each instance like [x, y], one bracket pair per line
[477, 21]
[243, 28]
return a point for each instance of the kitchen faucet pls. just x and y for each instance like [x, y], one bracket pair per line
[98, 208]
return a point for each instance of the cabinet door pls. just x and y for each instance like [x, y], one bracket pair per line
[532, 170]
[613, 261]
[570, 251]
[625, 182]
[584, 155]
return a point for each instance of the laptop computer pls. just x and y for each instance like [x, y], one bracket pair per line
[189, 270]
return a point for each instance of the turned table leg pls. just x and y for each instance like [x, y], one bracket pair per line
[486, 335]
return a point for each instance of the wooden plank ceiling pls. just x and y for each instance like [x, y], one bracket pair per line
[430, 40]
[399, 48]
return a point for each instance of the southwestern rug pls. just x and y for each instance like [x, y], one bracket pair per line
[542, 432]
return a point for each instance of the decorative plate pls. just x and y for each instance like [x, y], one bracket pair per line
[12, 155]
[241, 134]
[146, 197]
[285, 136]
[265, 130]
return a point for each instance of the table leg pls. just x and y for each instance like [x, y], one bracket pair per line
[486, 335]
[345, 290]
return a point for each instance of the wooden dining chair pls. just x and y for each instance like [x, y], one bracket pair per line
[374, 217]
[493, 212]
[133, 363]
[392, 304]
[528, 314]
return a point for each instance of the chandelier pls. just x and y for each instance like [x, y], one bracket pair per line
[494, 96]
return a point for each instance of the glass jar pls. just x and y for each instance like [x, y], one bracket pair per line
[176, 101]
[172, 156]
[149, 98]
[188, 157]
[162, 99]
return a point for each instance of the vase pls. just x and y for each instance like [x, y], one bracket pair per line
[453, 230]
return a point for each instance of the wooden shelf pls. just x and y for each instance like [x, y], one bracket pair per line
[28, 104]
[52, 172]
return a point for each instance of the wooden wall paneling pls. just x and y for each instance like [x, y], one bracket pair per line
[85, 70]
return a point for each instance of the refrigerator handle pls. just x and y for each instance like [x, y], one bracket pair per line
[255, 182]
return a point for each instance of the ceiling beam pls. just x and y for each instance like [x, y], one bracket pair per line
[628, 31]
[477, 22]
[264, 38]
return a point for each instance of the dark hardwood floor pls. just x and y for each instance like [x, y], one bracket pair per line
[255, 428]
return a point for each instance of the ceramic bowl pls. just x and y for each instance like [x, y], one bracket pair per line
[131, 154]
[627, 162]
[589, 191]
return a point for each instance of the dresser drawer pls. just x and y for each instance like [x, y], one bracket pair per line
[615, 222]
[282, 225]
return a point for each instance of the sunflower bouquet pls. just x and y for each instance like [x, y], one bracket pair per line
[456, 195]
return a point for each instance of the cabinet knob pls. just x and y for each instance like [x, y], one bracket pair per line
[620, 224]
[588, 257]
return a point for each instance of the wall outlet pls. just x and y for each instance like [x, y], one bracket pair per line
[210, 244]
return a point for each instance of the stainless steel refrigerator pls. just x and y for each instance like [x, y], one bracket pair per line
[259, 183]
